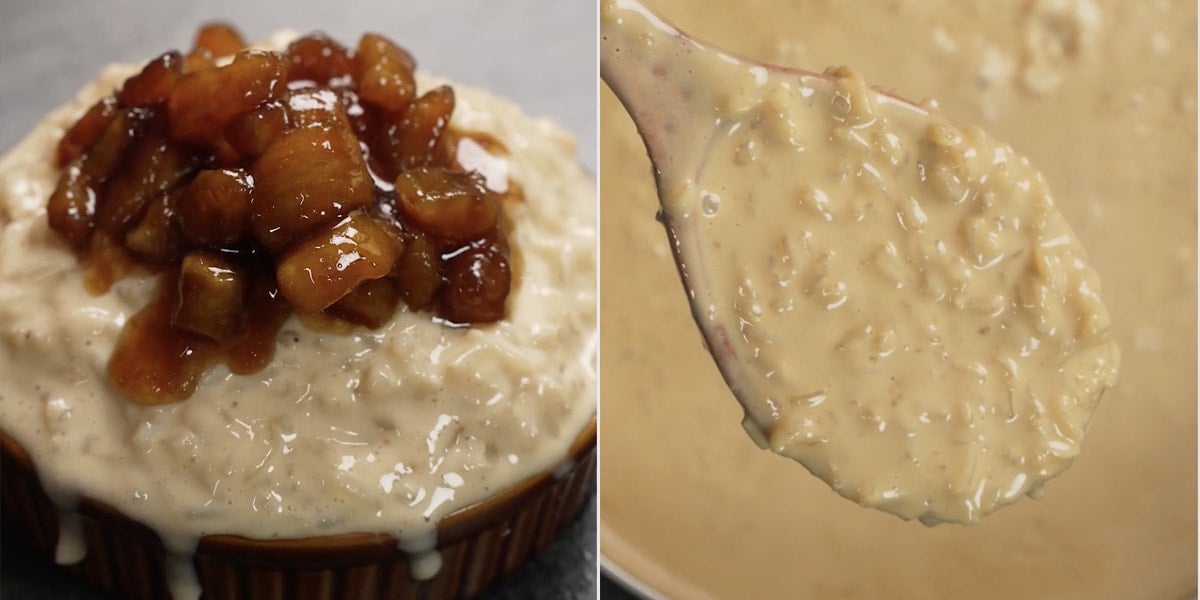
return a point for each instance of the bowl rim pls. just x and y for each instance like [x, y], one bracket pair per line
[330, 550]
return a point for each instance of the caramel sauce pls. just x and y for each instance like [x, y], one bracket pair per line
[105, 263]
[155, 363]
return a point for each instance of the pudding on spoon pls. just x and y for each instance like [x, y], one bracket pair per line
[894, 299]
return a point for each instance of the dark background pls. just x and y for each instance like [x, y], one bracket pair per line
[611, 589]
[539, 53]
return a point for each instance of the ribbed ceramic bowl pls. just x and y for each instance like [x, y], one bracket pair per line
[479, 544]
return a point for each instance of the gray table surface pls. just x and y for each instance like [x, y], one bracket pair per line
[539, 53]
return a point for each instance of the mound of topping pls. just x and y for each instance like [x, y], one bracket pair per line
[314, 180]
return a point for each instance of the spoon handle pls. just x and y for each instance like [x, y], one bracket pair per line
[655, 71]
[670, 84]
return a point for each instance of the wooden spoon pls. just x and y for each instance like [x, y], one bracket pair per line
[893, 298]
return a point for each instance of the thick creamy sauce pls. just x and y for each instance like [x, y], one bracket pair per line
[907, 313]
[713, 517]
[380, 431]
